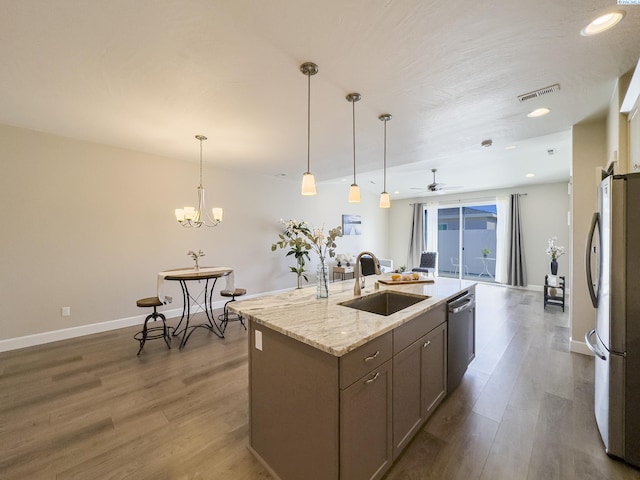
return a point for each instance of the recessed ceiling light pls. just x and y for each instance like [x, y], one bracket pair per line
[602, 23]
[538, 112]
[396, 193]
[529, 175]
[510, 147]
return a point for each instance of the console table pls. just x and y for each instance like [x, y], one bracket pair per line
[342, 271]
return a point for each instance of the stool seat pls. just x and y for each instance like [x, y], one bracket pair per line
[149, 302]
[233, 293]
[150, 333]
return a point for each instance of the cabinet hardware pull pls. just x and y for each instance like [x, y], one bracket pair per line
[373, 379]
[427, 343]
[372, 356]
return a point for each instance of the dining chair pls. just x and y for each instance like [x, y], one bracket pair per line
[427, 263]
[456, 265]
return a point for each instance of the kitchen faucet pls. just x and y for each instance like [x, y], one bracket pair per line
[356, 273]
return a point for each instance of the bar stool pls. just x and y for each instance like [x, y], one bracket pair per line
[154, 332]
[226, 317]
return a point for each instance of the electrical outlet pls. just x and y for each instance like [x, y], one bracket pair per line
[66, 311]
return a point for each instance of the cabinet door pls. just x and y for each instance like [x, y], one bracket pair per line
[407, 395]
[434, 369]
[365, 426]
[419, 385]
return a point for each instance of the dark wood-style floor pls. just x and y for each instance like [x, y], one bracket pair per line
[89, 408]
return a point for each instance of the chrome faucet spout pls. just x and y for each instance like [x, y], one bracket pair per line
[356, 271]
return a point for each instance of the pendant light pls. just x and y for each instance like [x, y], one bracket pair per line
[308, 180]
[195, 218]
[385, 200]
[354, 191]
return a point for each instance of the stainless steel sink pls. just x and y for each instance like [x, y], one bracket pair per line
[385, 303]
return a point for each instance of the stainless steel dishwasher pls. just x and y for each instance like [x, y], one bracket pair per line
[461, 336]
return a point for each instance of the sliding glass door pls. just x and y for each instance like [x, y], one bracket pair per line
[467, 242]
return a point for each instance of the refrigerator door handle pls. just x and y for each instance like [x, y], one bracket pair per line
[595, 221]
[596, 351]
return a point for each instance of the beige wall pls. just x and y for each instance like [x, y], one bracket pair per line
[589, 156]
[89, 226]
[595, 145]
[544, 214]
[617, 129]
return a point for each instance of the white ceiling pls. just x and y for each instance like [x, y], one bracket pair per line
[148, 75]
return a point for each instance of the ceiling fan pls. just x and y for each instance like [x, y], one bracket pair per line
[435, 186]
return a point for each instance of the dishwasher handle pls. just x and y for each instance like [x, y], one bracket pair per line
[462, 304]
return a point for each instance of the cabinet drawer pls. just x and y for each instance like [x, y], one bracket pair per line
[406, 334]
[364, 359]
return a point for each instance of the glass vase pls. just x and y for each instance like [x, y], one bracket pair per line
[322, 280]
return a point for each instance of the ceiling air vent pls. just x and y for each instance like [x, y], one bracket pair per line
[539, 93]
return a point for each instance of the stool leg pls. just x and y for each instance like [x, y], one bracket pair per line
[225, 314]
[144, 333]
[165, 330]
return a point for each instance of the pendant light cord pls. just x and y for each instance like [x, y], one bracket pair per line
[385, 157]
[353, 105]
[308, 122]
[201, 161]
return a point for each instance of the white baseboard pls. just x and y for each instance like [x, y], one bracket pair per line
[81, 330]
[580, 347]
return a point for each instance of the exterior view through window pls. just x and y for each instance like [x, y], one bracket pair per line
[466, 241]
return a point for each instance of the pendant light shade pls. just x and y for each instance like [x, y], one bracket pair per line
[354, 191]
[308, 180]
[385, 199]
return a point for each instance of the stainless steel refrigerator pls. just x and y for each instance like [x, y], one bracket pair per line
[613, 278]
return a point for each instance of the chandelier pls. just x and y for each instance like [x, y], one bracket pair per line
[196, 217]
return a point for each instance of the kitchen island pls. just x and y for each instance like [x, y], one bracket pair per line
[335, 392]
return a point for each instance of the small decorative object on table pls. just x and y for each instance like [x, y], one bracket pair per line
[486, 252]
[196, 257]
[554, 251]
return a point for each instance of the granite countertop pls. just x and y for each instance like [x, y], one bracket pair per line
[337, 329]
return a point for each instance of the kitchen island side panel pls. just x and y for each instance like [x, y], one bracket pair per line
[294, 406]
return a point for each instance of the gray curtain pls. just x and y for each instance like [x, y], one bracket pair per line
[416, 243]
[517, 276]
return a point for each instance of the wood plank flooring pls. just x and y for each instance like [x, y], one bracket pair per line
[88, 408]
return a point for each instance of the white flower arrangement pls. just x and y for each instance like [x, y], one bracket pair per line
[553, 250]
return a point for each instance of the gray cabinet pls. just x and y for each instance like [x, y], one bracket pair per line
[365, 426]
[321, 417]
[419, 384]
